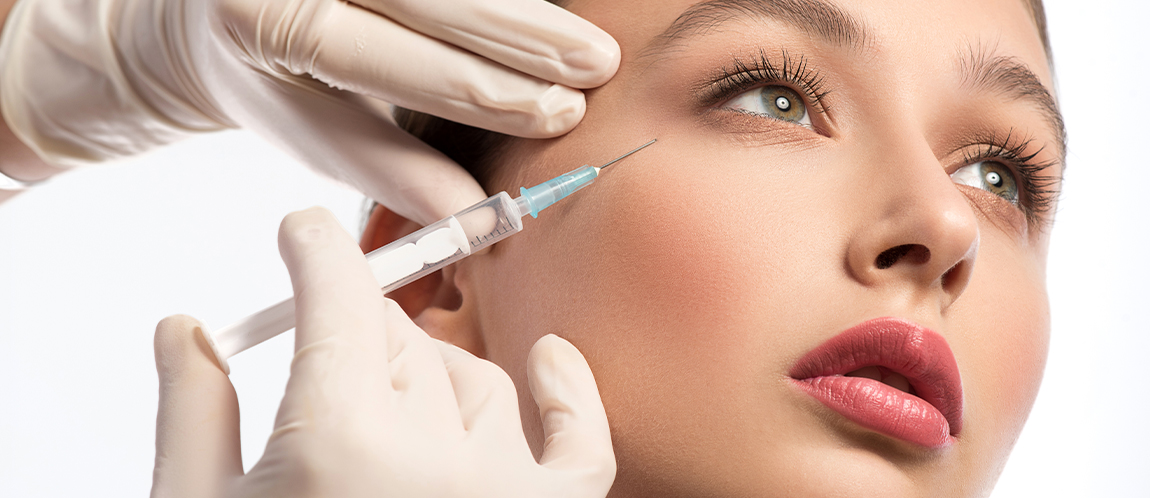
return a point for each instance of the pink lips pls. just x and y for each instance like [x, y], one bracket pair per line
[931, 419]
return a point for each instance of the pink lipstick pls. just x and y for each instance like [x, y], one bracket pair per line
[891, 376]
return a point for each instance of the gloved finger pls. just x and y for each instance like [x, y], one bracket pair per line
[342, 135]
[532, 36]
[577, 437]
[419, 375]
[486, 396]
[340, 346]
[198, 422]
[409, 177]
[353, 49]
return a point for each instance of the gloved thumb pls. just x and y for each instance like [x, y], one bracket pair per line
[198, 424]
[577, 437]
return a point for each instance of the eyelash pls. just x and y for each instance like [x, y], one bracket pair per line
[1039, 191]
[744, 76]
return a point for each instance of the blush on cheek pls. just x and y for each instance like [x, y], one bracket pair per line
[1005, 324]
[679, 261]
[682, 252]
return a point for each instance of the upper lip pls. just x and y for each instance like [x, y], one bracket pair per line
[916, 352]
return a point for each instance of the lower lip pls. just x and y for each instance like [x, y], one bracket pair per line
[881, 408]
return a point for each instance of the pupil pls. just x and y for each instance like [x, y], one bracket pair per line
[993, 179]
[783, 103]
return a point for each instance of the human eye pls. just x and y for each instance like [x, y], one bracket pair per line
[787, 90]
[1003, 167]
[774, 101]
[991, 176]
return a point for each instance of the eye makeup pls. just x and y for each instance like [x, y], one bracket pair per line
[1037, 190]
[746, 74]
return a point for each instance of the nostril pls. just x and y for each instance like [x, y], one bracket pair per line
[948, 277]
[891, 256]
[953, 276]
[912, 253]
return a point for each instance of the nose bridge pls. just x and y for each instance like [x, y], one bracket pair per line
[917, 230]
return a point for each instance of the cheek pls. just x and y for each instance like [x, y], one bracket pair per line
[670, 278]
[679, 288]
[1005, 321]
[676, 262]
[682, 253]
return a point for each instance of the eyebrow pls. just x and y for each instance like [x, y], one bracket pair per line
[981, 70]
[815, 17]
[1009, 76]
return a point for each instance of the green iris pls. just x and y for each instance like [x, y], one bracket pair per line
[783, 103]
[999, 180]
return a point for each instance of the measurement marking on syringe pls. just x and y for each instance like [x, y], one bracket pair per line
[500, 230]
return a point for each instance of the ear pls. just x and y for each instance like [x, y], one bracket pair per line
[434, 302]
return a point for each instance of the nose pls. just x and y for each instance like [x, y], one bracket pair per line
[918, 232]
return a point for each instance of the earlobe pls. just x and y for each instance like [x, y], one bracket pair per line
[434, 302]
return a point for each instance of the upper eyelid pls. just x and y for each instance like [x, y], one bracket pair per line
[763, 72]
[1012, 144]
[1038, 193]
[983, 69]
[1005, 149]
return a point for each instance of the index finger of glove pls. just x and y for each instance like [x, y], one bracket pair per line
[354, 49]
[340, 326]
[532, 36]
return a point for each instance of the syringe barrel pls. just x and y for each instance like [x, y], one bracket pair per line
[399, 263]
[470, 230]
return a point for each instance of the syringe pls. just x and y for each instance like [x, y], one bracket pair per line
[421, 253]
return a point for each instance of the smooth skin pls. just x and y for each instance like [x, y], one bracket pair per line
[693, 276]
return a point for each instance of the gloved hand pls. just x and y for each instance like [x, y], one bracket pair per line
[375, 407]
[83, 81]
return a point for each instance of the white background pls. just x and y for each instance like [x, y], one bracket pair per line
[90, 263]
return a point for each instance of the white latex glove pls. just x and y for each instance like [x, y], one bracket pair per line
[83, 81]
[375, 407]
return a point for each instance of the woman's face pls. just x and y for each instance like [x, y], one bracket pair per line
[818, 166]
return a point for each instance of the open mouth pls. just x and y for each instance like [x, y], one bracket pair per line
[890, 376]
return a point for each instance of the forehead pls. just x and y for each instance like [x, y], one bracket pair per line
[886, 26]
[991, 46]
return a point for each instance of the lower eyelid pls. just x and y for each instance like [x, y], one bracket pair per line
[996, 210]
[805, 123]
[756, 131]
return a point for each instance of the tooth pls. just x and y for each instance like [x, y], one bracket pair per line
[897, 381]
[872, 373]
